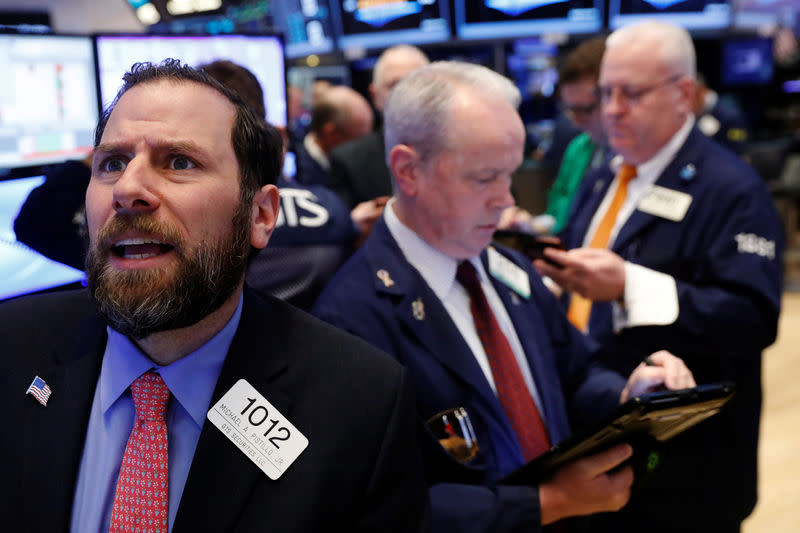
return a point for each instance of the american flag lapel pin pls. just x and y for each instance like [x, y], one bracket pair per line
[39, 390]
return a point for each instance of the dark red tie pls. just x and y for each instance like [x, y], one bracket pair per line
[514, 395]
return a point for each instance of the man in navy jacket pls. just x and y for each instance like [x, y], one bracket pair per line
[693, 266]
[399, 293]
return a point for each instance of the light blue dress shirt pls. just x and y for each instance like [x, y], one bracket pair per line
[191, 381]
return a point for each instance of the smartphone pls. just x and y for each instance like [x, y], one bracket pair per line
[531, 245]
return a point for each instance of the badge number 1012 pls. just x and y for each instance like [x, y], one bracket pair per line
[257, 428]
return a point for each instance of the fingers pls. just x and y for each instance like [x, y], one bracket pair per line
[676, 374]
[606, 460]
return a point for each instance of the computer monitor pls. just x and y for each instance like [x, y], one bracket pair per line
[48, 99]
[383, 24]
[747, 61]
[697, 15]
[757, 14]
[261, 54]
[306, 25]
[501, 19]
[23, 270]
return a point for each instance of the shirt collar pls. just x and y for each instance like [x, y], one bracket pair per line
[316, 152]
[651, 169]
[191, 379]
[436, 268]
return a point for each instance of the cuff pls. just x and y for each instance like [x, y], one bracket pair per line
[651, 299]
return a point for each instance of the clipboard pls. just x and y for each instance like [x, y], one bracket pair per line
[657, 416]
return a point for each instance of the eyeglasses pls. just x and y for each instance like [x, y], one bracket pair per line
[631, 95]
[580, 110]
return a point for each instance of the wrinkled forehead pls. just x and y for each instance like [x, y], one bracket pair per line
[182, 105]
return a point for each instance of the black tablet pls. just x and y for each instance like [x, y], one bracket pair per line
[658, 415]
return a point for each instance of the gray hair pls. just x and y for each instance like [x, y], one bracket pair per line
[671, 44]
[417, 109]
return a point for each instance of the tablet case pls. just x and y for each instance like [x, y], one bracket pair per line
[657, 416]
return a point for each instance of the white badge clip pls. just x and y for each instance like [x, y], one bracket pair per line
[257, 428]
[510, 274]
[665, 203]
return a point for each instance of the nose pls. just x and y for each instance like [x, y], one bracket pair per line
[134, 191]
[502, 197]
[614, 102]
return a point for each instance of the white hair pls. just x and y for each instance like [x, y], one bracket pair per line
[417, 110]
[670, 44]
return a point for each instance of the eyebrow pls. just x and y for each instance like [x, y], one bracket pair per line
[189, 147]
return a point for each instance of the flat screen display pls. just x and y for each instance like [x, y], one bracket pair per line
[380, 24]
[23, 270]
[755, 14]
[306, 25]
[747, 61]
[48, 99]
[499, 19]
[690, 14]
[261, 54]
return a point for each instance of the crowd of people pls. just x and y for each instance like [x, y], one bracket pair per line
[184, 390]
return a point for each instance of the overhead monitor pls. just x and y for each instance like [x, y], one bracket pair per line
[261, 54]
[48, 99]
[501, 19]
[691, 14]
[23, 270]
[306, 25]
[380, 24]
[767, 14]
[747, 61]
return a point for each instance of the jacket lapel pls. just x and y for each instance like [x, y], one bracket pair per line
[670, 178]
[434, 330]
[221, 477]
[54, 435]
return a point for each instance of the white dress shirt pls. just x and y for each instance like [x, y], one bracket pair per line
[651, 297]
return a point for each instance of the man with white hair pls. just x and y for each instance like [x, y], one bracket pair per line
[473, 323]
[681, 249]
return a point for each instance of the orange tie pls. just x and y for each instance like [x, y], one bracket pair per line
[580, 307]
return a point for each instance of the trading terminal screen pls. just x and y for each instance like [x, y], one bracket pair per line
[691, 14]
[262, 55]
[498, 19]
[383, 23]
[48, 99]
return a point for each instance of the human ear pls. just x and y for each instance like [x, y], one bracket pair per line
[404, 162]
[266, 206]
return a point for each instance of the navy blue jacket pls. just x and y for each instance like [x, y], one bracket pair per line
[725, 255]
[445, 373]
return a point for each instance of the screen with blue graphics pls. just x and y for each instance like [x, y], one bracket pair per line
[499, 19]
[383, 23]
[691, 14]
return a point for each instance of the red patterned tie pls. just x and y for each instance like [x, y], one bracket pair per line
[140, 503]
[514, 395]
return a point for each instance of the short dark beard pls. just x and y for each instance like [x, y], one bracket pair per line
[139, 303]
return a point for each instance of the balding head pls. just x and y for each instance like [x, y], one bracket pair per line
[392, 66]
[340, 115]
[647, 87]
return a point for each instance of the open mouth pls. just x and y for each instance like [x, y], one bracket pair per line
[140, 248]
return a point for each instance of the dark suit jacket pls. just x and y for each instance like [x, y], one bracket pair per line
[309, 171]
[360, 472]
[445, 373]
[358, 170]
[728, 280]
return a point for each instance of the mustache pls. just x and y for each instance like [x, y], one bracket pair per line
[118, 226]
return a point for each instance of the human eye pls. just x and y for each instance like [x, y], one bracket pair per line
[181, 162]
[113, 163]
